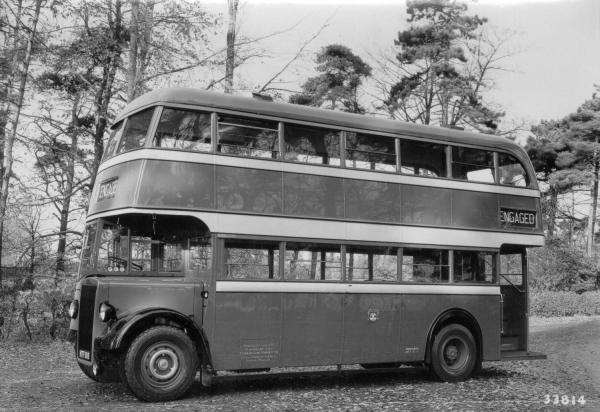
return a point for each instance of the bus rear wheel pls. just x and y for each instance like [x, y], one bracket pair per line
[160, 364]
[453, 353]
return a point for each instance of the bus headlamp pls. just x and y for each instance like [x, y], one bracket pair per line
[74, 309]
[107, 312]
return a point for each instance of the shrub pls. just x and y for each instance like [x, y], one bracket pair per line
[551, 304]
[557, 268]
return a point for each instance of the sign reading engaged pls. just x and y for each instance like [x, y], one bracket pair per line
[517, 218]
[107, 190]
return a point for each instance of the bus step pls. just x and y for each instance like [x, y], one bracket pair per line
[513, 355]
[511, 340]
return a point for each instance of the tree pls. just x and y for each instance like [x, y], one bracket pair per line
[566, 154]
[337, 88]
[442, 68]
[17, 77]
[231, 33]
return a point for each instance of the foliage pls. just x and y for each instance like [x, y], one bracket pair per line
[442, 65]
[559, 304]
[34, 307]
[337, 88]
[565, 269]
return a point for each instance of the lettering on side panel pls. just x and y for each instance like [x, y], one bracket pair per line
[259, 353]
[517, 218]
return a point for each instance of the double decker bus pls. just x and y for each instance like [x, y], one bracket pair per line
[227, 233]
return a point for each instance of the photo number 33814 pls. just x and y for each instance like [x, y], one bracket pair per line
[564, 399]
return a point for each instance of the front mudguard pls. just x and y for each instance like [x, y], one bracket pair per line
[123, 330]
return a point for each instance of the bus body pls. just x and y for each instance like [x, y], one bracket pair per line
[230, 233]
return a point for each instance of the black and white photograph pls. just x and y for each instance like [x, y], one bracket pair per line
[299, 205]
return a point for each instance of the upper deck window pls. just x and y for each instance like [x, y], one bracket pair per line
[312, 145]
[423, 159]
[113, 140]
[511, 171]
[370, 152]
[248, 137]
[136, 130]
[184, 129]
[472, 164]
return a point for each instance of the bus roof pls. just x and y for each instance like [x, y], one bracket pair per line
[180, 95]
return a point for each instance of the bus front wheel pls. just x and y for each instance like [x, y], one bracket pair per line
[453, 353]
[160, 364]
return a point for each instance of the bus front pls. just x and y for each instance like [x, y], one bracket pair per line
[142, 287]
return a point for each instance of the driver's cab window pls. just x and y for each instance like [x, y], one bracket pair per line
[148, 255]
[125, 250]
[113, 251]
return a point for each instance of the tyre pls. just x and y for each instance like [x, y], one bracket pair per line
[453, 354]
[160, 364]
[107, 375]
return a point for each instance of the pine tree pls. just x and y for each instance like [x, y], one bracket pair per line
[337, 87]
[437, 84]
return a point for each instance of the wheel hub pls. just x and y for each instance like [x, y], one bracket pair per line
[163, 364]
[451, 352]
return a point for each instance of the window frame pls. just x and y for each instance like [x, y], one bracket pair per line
[221, 271]
[341, 130]
[154, 129]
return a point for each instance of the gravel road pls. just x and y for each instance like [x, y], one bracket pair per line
[46, 378]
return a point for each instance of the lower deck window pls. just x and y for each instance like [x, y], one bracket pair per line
[371, 264]
[425, 265]
[473, 266]
[200, 253]
[251, 259]
[312, 261]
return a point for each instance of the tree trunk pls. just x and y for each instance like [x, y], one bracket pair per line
[134, 30]
[103, 95]
[593, 206]
[230, 62]
[13, 122]
[552, 205]
[67, 191]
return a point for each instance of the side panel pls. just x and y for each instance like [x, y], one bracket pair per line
[486, 310]
[475, 209]
[418, 314]
[247, 330]
[127, 175]
[371, 328]
[312, 329]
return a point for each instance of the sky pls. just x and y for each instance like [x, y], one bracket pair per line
[554, 71]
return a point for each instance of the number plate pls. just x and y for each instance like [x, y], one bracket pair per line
[107, 190]
[84, 354]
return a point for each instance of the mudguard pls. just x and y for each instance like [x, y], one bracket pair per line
[115, 335]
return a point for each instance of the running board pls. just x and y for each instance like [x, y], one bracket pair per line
[222, 378]
[514, 355]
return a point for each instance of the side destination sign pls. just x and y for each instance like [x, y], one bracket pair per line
[107, 190]
[517, 218]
